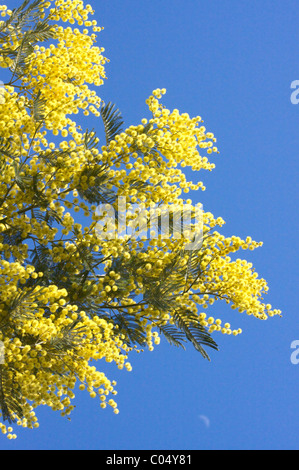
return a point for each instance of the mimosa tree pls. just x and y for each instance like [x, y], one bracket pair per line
[71, 295]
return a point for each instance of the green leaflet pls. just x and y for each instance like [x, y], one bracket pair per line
[10, 396]
[25, 21]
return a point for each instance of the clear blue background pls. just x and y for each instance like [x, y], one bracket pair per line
[232, 62]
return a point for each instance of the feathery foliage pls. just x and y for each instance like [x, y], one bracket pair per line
[113, 121]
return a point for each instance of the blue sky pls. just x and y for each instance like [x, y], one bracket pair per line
[232, 62]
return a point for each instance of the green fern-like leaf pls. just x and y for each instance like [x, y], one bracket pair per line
[172, 335]
[24, 21]
[130, 327]
[112, 120]
[67, 340]
[38, 108]
[10, 396]
[90, 140]
[195, 333]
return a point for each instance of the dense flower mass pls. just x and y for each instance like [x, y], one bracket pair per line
[70, 297]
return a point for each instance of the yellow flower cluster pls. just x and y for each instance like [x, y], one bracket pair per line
[180, 136]
[4, 11]
[60, 74]
[14, 117]
[166, 141]
[49, 345]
